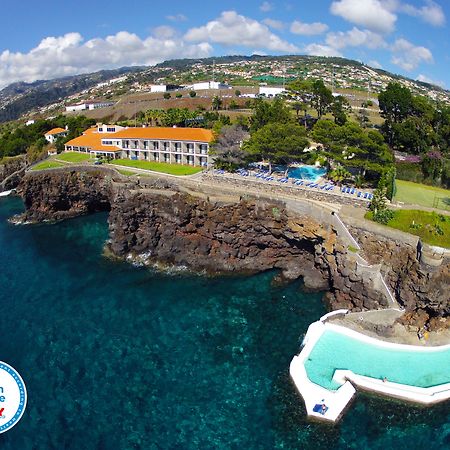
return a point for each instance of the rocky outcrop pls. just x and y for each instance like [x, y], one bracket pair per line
[419, 288]
[155, 224]
[57, 195]
[11, 171]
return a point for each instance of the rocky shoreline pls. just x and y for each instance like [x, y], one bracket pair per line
[161, 224]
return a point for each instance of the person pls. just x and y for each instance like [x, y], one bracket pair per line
[419, 250]
[384, 380]
[324, 408]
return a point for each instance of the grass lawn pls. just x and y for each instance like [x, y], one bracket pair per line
[421, 194]
[73, 157]
[173, 169]
[432, 228]
[127, 173]
[48, 165]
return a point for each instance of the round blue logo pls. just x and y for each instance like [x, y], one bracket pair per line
[13, 397]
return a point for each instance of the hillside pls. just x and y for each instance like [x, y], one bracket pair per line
[44, 98]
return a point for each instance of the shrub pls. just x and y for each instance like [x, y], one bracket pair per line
[383, 216]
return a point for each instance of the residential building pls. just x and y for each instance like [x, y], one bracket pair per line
[210, 85]
[271, 91]
[88, 106]
[54, 134]
[188, 146]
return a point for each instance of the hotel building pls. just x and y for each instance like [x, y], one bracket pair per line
[188, 146]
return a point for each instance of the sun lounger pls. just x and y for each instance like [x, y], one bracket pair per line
[359, 194]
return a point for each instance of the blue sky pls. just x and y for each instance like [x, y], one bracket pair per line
[50, 38]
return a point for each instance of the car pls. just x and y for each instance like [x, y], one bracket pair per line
[98, 162]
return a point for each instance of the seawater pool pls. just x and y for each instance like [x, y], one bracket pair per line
[310, 173]
[402, 365]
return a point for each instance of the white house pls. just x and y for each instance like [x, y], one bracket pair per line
[88, 106]
[158, 88]
[271, 91]
[210, 85]
[54, 134]
[188, 146]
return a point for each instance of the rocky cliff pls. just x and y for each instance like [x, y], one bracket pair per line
[158, 225]
[11, 170]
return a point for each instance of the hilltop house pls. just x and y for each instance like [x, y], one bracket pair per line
[54, 134]
[88, 106]
[171, 145]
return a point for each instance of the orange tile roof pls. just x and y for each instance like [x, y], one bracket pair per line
[93, 140]
[175, 134]
[56, 131]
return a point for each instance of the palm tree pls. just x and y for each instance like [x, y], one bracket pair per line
[339, 174]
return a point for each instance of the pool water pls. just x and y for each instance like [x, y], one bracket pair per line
[338, 351]
[310, 173]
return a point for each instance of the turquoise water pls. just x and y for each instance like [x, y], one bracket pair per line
[337, 351]
[117, 357]
[310, 173]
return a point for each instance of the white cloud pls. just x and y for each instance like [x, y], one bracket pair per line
[321, 50]
[408, 56]
[431, 13]
[374, 15]
[164, 32]
[308, 29]
[355, 38]
[266, 7]
[275, 24]
[233, 29]
[375, 64]
[428, 80]
[177, 18]
[69, 55]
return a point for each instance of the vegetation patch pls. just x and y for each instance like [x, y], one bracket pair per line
[431, 227]
[74, 157]
[172, 169]
[127, 173]
[423, 195]
[48, 165]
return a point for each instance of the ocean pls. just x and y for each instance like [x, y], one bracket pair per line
[122, 357]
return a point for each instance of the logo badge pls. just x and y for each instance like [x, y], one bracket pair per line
[13, 397]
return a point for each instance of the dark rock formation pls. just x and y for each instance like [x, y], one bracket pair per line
[57, 195]
[421, 289]
[11, 171]
[155, 224]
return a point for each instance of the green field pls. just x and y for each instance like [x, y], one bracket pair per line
[47, 165]
[127, 173]
[74, 157]
[432, 228]
[423, 195]
[173, 169]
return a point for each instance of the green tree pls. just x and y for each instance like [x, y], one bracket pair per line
[237, 93]
[228, 147]
[192, 94]
[339, 108]
[322, 97]
[167, 95]
[279, 143]
[216, 103]
[266, 112]
[339, 174]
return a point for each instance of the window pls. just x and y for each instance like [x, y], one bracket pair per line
[155, 145]
[110, 129]
[107, 142]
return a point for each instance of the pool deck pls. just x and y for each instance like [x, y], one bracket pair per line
[337, 401]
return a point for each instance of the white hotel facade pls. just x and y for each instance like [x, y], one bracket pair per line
[189, 146]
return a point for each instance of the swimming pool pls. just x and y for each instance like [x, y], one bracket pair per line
[310, 173]
[402, 364]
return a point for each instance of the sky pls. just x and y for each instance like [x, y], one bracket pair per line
[52, 38]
